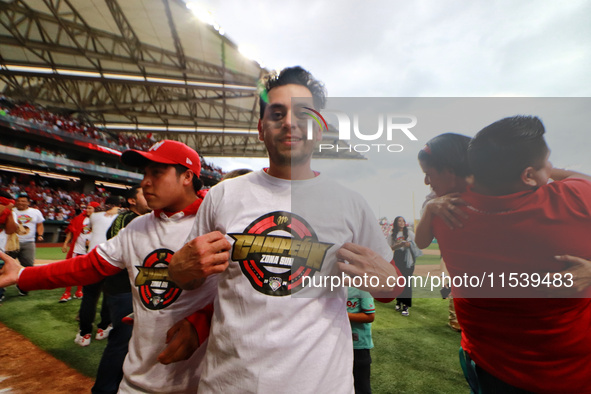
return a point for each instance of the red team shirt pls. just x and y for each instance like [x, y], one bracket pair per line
[539, 344]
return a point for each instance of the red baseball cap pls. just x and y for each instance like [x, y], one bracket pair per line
[94, 204]
[165, 152]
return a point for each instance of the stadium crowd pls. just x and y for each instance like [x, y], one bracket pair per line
[39, 116]
[55, 203]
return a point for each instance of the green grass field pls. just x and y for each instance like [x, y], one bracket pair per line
[50, 254]
[428, 259]
[415, 354]
[433, 246]
[51, 326]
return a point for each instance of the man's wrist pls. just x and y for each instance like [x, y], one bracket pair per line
[19, 274]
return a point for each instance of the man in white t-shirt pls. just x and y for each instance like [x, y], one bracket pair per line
[283, 225]
[32, 219]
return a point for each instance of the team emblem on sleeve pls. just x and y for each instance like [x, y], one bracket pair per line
[276, 251]
[156, 290]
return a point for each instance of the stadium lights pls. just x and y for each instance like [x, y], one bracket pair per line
[45, 174]
[110, 184]
[123, 77]
[28, 69]
[77, 73]
[182, 129]
[165, 80]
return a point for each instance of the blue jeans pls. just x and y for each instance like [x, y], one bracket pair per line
[110, 371]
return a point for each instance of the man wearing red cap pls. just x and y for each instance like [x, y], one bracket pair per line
[144, 249]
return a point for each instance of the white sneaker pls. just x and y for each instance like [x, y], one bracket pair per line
[103, 334]
[405, 311]
[82, 340]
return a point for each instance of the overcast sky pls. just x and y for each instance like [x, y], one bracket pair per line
[428, 48]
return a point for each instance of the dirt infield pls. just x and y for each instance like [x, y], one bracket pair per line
[24, 369]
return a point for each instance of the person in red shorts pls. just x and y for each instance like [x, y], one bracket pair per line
[522, 225]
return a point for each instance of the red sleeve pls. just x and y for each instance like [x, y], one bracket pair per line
[396, 291]
[4, 215]
[201, 320]
[80, 270]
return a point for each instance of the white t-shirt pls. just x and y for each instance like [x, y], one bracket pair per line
[99, 223]
[264, 339]
[29, 218]
[144, 248]
[80, 245]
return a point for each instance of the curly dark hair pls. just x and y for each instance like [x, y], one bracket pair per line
[291, 75]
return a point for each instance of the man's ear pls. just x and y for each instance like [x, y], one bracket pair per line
[188, 177]
[528, 177]
[260, 129]
[131, 202]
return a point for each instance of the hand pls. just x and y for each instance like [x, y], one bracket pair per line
[182, 341]
[397, 245]
[447, 208]
[199, 258]
[365, 263]
[9, 273]
[580, 269]
[64, 248]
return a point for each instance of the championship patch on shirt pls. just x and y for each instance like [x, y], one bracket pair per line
[156, 290]
[24, 219]
[276, 251]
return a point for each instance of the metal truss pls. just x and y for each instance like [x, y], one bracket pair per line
[65, 32]
[166, 89]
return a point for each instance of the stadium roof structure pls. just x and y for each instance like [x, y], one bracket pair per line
[134, 66]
